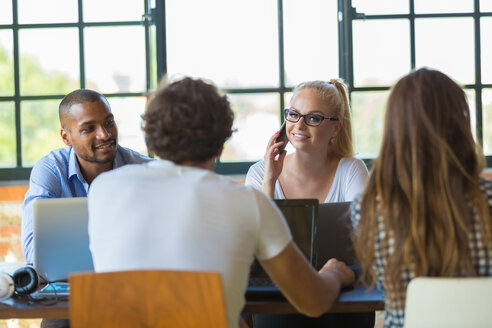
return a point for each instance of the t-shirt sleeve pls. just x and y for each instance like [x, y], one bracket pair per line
[254, 177]
[355, 177]
[273, 233]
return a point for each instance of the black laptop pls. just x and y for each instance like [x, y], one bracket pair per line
[302, 217]
[334, 235]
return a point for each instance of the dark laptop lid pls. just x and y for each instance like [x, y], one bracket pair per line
[302, 217]
[334, 230]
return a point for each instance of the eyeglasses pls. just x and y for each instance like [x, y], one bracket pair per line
[310, 119]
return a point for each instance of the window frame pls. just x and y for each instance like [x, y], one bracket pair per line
[157, 16]
[21, 172]
[350, 14]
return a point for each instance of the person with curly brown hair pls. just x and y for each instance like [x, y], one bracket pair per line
[176, 213]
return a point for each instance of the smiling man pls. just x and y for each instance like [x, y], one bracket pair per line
[90, 133]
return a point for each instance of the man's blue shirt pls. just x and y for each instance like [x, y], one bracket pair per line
[57, 175]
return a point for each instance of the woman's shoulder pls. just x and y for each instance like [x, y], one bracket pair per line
[349, 161]
[352, 164]
[258, 165]
[255, 174]
[257, 168]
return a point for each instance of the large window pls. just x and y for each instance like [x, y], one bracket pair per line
[49, 48]
[389, 38]
[256, 51]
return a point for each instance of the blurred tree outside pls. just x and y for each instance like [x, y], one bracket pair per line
[40, 129]
[368, 122]
[35, 81]
[6, 73]
[40, 134]
[39, 118]
[487, 126]
[7, 134]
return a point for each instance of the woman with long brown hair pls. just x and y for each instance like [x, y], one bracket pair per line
[425, 210]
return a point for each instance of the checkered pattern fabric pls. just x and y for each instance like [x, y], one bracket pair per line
[395, 301]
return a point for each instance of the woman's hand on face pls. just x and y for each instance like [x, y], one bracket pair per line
[273, 163]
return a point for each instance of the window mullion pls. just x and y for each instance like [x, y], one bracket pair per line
[18, 131]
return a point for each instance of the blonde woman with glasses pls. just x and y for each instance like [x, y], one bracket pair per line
[318, 125]
[319, 128]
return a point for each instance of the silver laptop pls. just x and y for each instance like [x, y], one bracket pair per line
[334, 231]
[60, 238]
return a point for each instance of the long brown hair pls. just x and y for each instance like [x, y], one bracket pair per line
[424, 184]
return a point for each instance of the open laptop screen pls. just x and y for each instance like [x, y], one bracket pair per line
[302, 217]
[60, 237]
[335, 227]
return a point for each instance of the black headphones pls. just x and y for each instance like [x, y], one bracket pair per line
[24, 281]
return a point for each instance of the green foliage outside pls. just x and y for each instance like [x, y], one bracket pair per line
[368, 110]
[40, 125]
[368, 121]
[39, 119]
[7, 134]
[40, 129]
[35, 81]
[487, 124]
[6, 74]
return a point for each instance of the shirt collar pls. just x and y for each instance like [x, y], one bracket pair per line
[182, 169]
[118, 159]
[74, 169]
[162, 163]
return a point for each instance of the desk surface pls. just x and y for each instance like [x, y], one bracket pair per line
[354, 300]
[21, 308]
[357, 299]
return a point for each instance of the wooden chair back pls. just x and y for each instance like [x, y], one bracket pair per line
[151, 298]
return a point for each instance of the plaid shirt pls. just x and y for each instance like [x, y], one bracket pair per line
[395, 307]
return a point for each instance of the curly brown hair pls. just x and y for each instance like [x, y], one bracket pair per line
[188, 120]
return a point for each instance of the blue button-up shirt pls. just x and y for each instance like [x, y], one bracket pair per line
[58, 175]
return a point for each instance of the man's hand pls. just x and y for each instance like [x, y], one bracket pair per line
[341, 270]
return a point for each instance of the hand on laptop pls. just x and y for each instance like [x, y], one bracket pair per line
[346, 276]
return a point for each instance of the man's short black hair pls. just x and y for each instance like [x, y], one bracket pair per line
[79, 96]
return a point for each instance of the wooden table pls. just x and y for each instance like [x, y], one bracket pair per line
[356, 299]
[21, 308]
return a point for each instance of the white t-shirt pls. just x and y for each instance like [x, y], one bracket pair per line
[349, 180]
[164, 216]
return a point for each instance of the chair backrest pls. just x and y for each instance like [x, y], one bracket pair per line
[449, 302]
[152, 298]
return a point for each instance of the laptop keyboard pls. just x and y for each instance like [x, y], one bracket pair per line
[260, 281]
